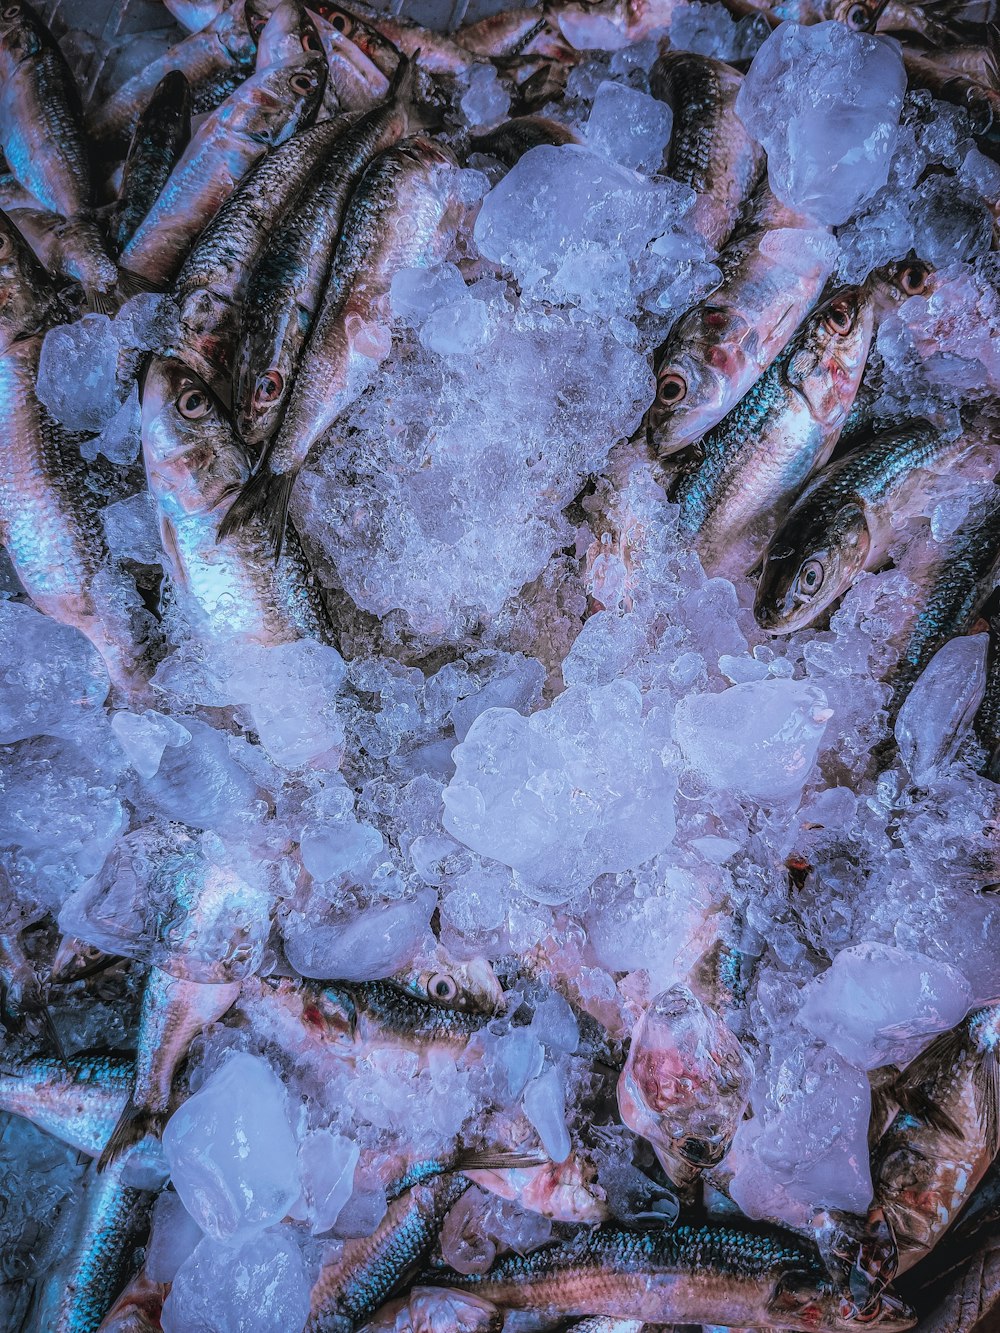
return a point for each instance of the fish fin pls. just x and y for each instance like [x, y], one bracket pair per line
[401, 84]
[264, 496]
[134, 1124]
[992, 46]
[52, 1033]
[882, 1101]
[134, 284]
[911, 1091]
[98, 302]
[987, 1082]
[498, 1160]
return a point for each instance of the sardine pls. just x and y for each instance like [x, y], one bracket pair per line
[173, 1012]
[709, 149]
[285, 289]
[95, 1241]
[733, 1275]
[63, 245]
[138, 1309]
[355, 82]
[380, 35]
[987, 720]
[973, 88]
[946, 1134]
[231, 589]
[563, 1191]
[436, 1310]
[161, 135]
[773, 273]
[384, 1013]
[757, 459]
[21, 992]
[216, 59]
[515, 34]
[510, 141]
[78, 1105]
[401, 215]
[842, 523]
[41, 131]
[262, 113]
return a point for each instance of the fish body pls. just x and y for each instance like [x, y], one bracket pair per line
[66, 246]
[511, 140]
[138, 1309]
[78, 1106]
[436, 1310]
[940, 1144]
[688, 1274]
[402, 215]
[173, 1012]
[232, 590]
[214, 60]
[987, 720]
[516, 34]
[759, 456]
[773, 272]
[709, 149]
[842, 523]
[384, 1013]
[382, 37]
[162, 133]
[285, 289]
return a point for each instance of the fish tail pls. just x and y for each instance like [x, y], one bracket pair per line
[497, 1160]
[100, 302]
[265, 496]
[134, 1124]
[401, 83]
[134, 284]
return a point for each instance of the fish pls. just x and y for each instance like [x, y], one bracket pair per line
[470, 986]
[77, 1104]
[379, 35]
[230, 589]
[402, 215]
[843, 523]
[709, 149]
[21, 993]
[63, 246]
[515, 34]
[93, 1246]
[773, 273]
[944, 1137]
[786, 427]
[138, 1309]
[987, 720]
[76, 959]
[563, 1191]
[354, 82]
[366, 37]
[173, 1012]
[262, 113]
[436, 1310]
[43, 139]
[686, 1084]
[285, 289]
[968, 79]
[215, 61]
[386, 1013]
[161, 135]
[510, 141]
[707, 1273]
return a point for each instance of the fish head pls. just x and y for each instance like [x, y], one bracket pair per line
[282, 98]
[357, 81]
[260, 392]
[21, 34]
[354, 31]
[895, 283]
[194, 462]
[858, 15]
[283, 31]
[705, 354]
[24, 284]
[810, 563]
[471, 986]
[816, 1304]
[827, 359]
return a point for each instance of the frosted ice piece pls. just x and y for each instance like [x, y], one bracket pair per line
[291, 691]
[415, 293]
[144, 736]
[333, 842]
[553, 1023]
[120, 440]
[232, 1153]
[52, 676]
[201, 783]
[174, 1235]
[824, 102]
[545, 1106]
[880, 1005]
[515, 683]
[519, 1058]
[685, 1084]
[574, 791]
[327, 1161]
[937, 713]
[131, 530]
[760, 738]
[458, 329]
[629, 127]
[369, 944]
[78, 373]
[486, 101]
[259, 1285]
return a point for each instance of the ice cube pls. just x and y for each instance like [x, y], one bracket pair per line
[78, 373]
[760, 738]
[144, 736]
[824, 102]
[174, 1235]
[131, 529]
[328, 1161]
[486, 101]
[544, 1104]
[879, 1005]
[359, 946]
[291, 689]
[258, 1285]
[232, 1154]
[120, 439]
[52, 677]
[937, 713]
[629, 127]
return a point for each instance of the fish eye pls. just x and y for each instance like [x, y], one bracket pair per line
[912, 277]
[672, 389]
[12, 11]
[442, 988]
[839, 318]
[811, 577]
[267, 388]
[312, 44]
[339, 20]
[858, 17]
[302, 83]
[194, 404]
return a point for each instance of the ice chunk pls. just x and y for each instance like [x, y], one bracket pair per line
[291, 689]
[545, 1106]
[144, 736]
[174, 1235]
[201, 783]
[554, 1024]
[334, 844]
[52, 676]
[937, 713]
[359, 946]
[824, 101]
[259, 1285]
[120, 439]
[131, 530]
[878, 1005]
[760, 738]
[78, 373]
[328, 1162]
[515, 681]
[486, 101]
[563, 796]
[629, 127]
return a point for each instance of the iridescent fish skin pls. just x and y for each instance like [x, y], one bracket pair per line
[470, 986]
[262, 113]
[842, 523]
[511, 140]
[773, 273]
[382, 37]
[759, 456]
[435, 1310]
[384, 1013]
[402, 214]
[987, 721]
[217, 58]
[162, 133]
[231, 590]
[514, 35]
[743, 1276]
[286, 288]
[944, 1137]
[138, 1309]
[78, 1106]
[709, 149]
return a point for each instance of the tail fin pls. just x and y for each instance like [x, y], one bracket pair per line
[133, 284]
[134, 1124]
[99, 302]
[264, 497]
[401, 84]
[497, 1160]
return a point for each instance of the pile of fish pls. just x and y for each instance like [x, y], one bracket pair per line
[500, 708]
